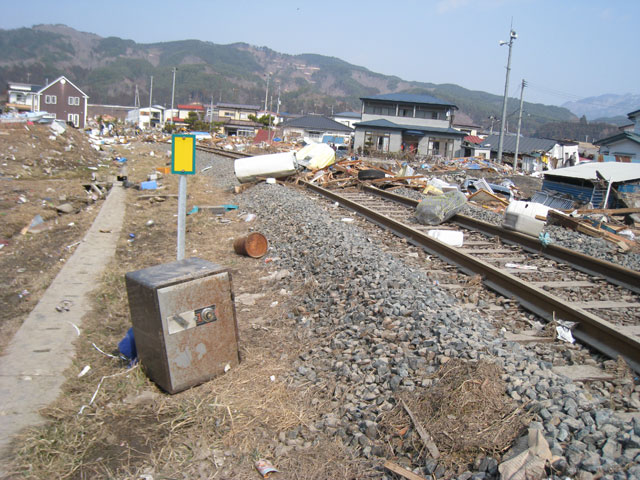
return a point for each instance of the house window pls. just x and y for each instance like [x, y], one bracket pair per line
[50, 99]
[422, 112]
[405, 111]
[73, 118]
[73, 100]
[380, 109]
[377, 141]
[315, 135]
[434, 115]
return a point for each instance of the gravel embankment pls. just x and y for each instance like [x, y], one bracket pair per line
[380, 328]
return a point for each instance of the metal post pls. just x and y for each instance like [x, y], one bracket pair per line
[211, 115]
[515, 158]
[173, 92]
[150, 98]
[512, 37]
[266, 94]
[182, 215]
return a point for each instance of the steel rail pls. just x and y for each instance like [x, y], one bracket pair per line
[220, 151]
[611, 272]
[591, 330]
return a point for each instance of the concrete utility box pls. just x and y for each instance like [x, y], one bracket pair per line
[184, 322]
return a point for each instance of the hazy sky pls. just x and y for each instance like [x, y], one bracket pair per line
[566, 50]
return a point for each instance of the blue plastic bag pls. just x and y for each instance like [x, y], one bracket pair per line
[127, 347]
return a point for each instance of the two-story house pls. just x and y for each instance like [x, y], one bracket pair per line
[625, 146]
[398, 122]
[64, 100]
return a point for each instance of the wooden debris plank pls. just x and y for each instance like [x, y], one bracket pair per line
[610, 211]
[482, 196]
[156, 195]
[529, 336]
[475, 251]
[583, 373]
[395, 468]
[564, 284]
[600, 304]
[396, 179]
[505, 259]
[424, 435]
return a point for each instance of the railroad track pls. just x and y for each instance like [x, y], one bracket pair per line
[222, 152]
[561, 286]
[613, 330]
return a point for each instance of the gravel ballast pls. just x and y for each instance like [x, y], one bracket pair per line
[380, 328]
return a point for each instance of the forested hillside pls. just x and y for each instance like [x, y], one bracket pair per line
[109, 69]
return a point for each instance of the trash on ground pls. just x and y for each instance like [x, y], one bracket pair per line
[127, 346]
[84, 371]
[439, 209]
[274, 165]
[453, 238]
[254, 245]
[564, 334]
[520, 266]
[149, 185]
[529, 463]
[265, 468]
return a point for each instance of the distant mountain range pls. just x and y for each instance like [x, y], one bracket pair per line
[109, 69]
[607, 107]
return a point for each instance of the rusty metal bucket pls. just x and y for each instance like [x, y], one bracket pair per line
[253, 245]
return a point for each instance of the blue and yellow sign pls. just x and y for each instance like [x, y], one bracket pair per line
[183, 154]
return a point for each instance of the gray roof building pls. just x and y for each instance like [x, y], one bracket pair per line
[316, 122]
[409, 98]
[527, 146]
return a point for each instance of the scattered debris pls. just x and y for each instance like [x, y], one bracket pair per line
[265, 468]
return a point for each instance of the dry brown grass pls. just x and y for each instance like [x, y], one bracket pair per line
[466, 411]
[215, 430]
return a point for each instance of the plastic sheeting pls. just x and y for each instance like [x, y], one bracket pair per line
[316, 156]
[439, 209]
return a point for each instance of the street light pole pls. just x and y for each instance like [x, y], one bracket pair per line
[173, 92]
[515, 158]
[512, 37]
[266, 94]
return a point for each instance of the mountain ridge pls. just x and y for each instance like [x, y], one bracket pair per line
[109, 68]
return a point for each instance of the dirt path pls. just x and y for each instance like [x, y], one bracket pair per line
[32, 368]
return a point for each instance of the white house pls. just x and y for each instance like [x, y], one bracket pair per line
[625, 146]
[22, 96]
[534, 154]
[348, 119]
[147, 117]
[403, 122]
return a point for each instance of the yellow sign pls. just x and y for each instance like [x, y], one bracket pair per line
[183, 158]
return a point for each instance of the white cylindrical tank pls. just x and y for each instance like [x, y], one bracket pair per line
[274, 165]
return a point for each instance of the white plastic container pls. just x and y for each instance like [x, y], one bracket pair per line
[275, 165]
[521, 217]
[452, 238]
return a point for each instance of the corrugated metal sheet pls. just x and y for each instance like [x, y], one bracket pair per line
[617, 172]
[553, 201]
[582, 193]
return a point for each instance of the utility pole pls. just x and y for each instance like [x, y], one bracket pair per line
[173, 92]
[515, 158]
[150, 98]
[136, 99]
[211, 115]
[266, 94]
[512, 37]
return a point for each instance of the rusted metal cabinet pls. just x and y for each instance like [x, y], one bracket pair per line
[184, 322]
